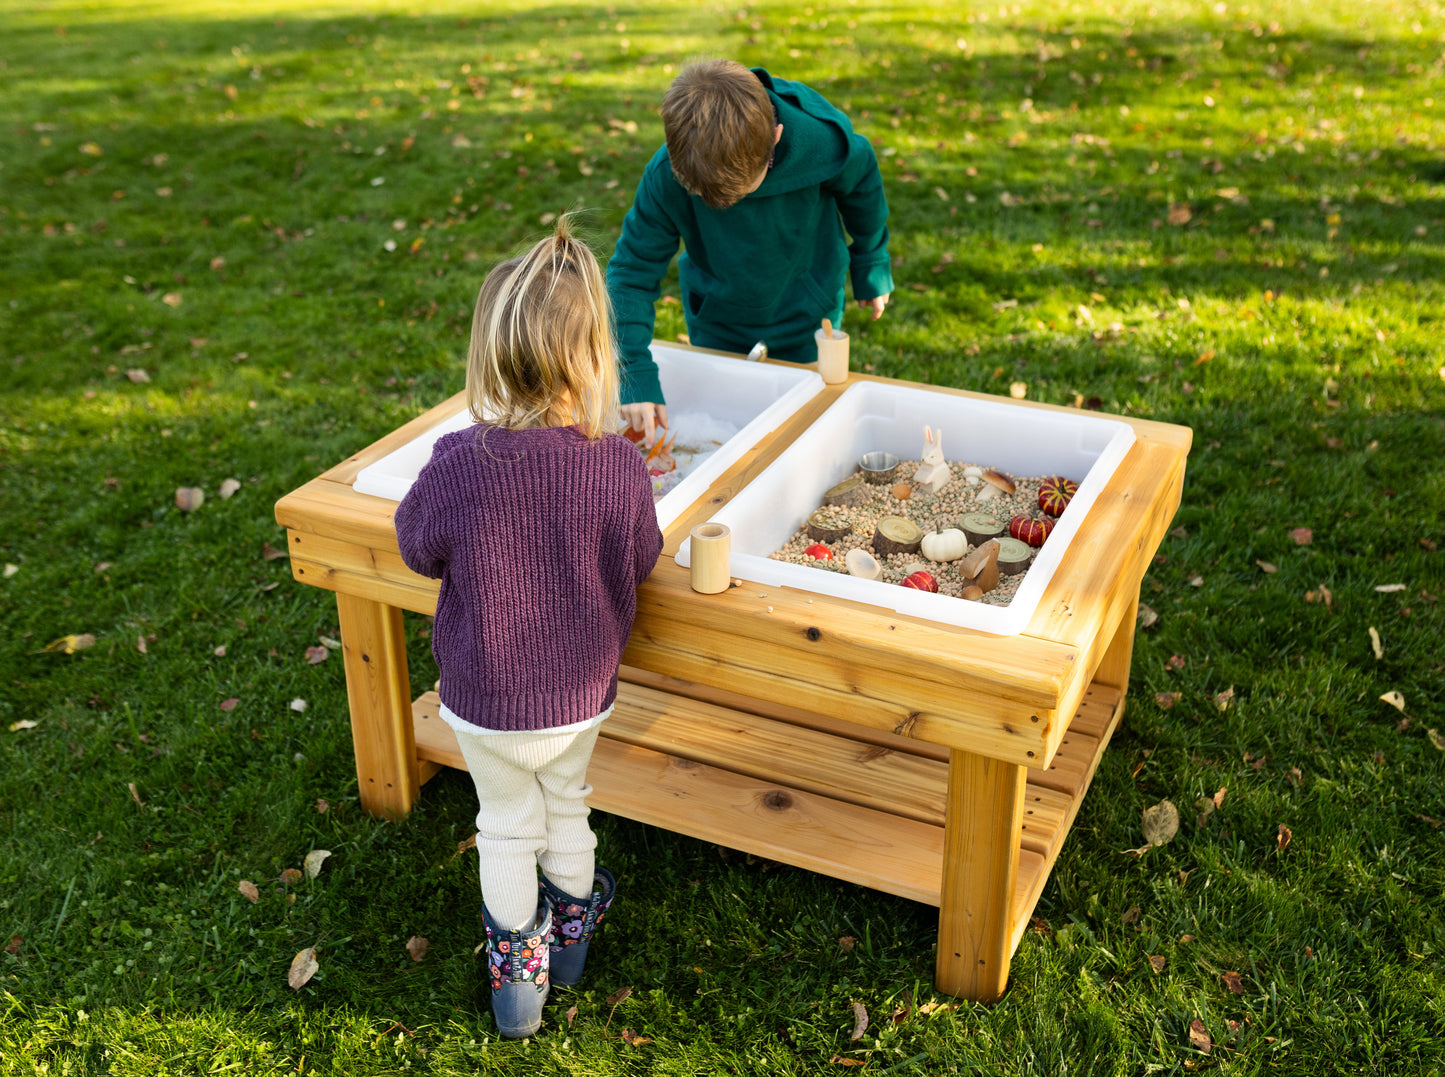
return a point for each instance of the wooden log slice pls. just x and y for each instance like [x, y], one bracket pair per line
[897, 534]
[829, 525]
[980, 527]
[852, 491]
[1013, 556]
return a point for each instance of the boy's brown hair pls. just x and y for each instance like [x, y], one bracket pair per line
[719, 124]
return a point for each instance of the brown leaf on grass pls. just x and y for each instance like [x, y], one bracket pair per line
[270, 553]
[1394, 699]
[229, 488]
[1222, 699]
[171, 299]
[13, 946]
[1204, 357]
[417, 946]
[1040, 926]
[229, 705]
[1161, 822]
[189, 498]
[632, 1039]
[1131, 915]
[463, 846]
[140, 644]
[291, 876]
[938, 1007]
[1166, 699]
[1218, 797]
[846, 943]
[1436, 739]
[249, 891]
[1436, 823]
[135, 795]
[619, 997]
[1389, 588]
[571, 1015]
[1147, 617]
[1267, 567]
[1157, 962]
[315, 655]
[314, 859]
[70, 644]
[22, 724]
[1199, 1037]
[1302, 536]
[137, 375]
[860, 1022]
[839, 1060]
[1322, 594]
[323, 806]
[1375, 644]
[1179, 214]
[303, 966]
[1176, 661]
[1282, 839]
[1295, 776]
[1233, 982]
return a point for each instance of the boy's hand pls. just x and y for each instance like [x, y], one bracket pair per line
[647, 418]
[876, 305]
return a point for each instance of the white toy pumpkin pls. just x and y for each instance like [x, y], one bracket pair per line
[947, 545]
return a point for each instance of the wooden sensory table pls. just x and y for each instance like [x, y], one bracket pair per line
[937, 763]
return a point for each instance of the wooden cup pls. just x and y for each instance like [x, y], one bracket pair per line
[711, 548]
[832, 355]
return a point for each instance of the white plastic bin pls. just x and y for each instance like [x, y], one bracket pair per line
[754, 397]
[1025, 441]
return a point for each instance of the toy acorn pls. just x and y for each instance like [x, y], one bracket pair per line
[1055, 493]
[1027, 529]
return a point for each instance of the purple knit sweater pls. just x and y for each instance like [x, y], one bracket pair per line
[540, 538]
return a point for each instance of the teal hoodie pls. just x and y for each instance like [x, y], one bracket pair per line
[768, 268]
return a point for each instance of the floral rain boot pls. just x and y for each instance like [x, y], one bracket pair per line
[517, 966]
[574, 920]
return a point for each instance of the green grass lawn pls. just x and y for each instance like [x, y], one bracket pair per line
[240, 241]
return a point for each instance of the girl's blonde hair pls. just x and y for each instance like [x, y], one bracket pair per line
[542, 350]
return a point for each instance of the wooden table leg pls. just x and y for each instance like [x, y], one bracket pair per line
[1114, 666]
[980, 867]
[373, 642]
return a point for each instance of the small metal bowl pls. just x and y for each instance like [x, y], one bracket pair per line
[878, 467]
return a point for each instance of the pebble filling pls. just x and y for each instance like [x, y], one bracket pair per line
[931, 512]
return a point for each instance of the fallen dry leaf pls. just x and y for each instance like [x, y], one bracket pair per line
[1157, 962]
[1176, 661]
[1323, 594]
[839, 1060]
[416, 946]
[1436, 739]
[1199, 1037]
[632, 1039]
[171, 299]
[249, 891]
[137, 375]
[316, 654]
[1282, 839]
[1233, 982]
[1302, 536]
[1147, 617]
[322, 806]
[327, 641]
[1295, 776]
[10, 569]
[846, 943]
[291, 876]
[189, 498]
[1166, 699]
[938, 1007]
[619, 997]
[70, 644]
[1218, 797]
[23, 723]
[219, 652]
[229, 487]
[1131, 915]
[1394, 699]
[1266, 566]
[135, 794]
[13, 946]
[298, 705]
[229, 705]
[140, 644]
[860, 1022]
[1179, 214]
[1018, 390]
[571, 1015]
[270, 553]
[1375, 644]
[1222, 699]
[1161, 822]
[303, 967]
[1390, 588]
[314, 859]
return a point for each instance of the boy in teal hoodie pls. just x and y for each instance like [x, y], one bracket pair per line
[760, 179]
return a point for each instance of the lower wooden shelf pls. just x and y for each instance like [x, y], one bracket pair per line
[799, 789]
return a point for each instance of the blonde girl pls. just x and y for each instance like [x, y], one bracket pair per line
[539, 521]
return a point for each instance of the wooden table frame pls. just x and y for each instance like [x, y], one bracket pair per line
[938, 763]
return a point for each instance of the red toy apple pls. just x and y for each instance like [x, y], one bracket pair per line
[921, 581]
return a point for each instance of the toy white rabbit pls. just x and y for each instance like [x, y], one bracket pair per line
[933, 472]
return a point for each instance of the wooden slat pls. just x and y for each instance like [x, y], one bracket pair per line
[379, 575]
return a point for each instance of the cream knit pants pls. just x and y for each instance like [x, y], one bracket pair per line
[532, 788]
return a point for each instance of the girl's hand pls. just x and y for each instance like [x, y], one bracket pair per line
[647, 418]
[875, 304]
